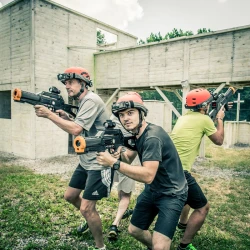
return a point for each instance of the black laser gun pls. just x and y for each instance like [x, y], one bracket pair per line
[109, 138]
[220, 100]
[52, 100]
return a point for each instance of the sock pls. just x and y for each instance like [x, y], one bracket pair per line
[184, 245]
[181, 225]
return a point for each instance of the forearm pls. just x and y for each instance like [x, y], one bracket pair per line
[68, 126]
[138, 173]
[128, 158]
[220, 130]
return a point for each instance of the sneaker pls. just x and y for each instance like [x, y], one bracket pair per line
[113, 232]
[127, 213]
[83, 228]
[188, 247]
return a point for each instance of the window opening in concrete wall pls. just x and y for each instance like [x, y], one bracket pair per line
[105, 38]
[5, 104]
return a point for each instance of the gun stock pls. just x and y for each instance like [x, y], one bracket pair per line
[52, 100]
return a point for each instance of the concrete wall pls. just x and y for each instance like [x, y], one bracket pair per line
[205, 59]
[34, 37]
[237, 133]
[17, 133]
[159, 113]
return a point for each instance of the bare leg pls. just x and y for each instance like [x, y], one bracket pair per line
[144, 236]
[124, 199]
[184, 214]
[72, 195]
[194, 223]
[161, 242]
[88, 210]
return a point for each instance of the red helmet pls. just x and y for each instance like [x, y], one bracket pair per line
[130, 100]
[75, 73]
[198, 98]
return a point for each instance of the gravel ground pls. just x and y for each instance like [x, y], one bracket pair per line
[60, 165]
[65, 165]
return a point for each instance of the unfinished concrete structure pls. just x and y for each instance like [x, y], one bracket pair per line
[39, 39]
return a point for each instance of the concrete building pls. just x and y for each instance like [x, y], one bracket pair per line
[39, 39]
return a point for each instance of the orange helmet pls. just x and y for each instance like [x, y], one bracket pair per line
[75, 73]
[198, 98]
[130, 100]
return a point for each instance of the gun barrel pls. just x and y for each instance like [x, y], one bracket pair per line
[20, 95]
[79, 144]
[230, 91]
[17, 94]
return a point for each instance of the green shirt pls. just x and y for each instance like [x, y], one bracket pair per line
[187, 135]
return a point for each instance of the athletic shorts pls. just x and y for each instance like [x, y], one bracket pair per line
[95, 183]
[196, 198]
[167, 207]
[125, 184]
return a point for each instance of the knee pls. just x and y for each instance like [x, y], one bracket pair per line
[84, 211]
[70, 197]
[134, 231]
[204, 210]
[87, 210]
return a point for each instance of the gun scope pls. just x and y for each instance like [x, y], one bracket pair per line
[109, 124]
[54, 90]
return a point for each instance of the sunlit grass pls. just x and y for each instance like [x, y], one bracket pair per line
[227, 158]
[34, 214]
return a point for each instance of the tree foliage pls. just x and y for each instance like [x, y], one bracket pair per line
[157, 37]
[100, 38]
[203, 30]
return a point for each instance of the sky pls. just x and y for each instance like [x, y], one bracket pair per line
[141, 17]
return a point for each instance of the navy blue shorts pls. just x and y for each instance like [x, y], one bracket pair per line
[167, 207]
[95, 183]
[196, 198]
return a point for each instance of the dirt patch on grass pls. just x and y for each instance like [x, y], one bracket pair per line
[65, 165]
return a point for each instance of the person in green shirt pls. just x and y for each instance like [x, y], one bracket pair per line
[187, 135]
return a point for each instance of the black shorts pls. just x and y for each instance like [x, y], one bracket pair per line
[196, 198]
[167, 207]
[95, 183]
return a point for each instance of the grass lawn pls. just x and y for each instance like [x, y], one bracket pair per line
[34, 215]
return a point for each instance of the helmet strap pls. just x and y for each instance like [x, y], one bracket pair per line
[76, 97]
[140, 123]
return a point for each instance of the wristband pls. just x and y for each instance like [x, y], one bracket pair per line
[217, 118]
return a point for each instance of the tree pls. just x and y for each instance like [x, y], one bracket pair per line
[157, 37]
[100, 38]
[154, 37]
[177, 33]
[141, 42]
[203, 30]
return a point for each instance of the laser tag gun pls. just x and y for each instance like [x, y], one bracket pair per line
[219, 100]
[52, 100]
[109, 138]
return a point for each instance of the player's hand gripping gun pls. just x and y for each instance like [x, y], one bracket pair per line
[219, 100]
[110, 138]
[52, 100]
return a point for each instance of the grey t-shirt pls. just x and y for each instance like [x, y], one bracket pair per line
[91, 116]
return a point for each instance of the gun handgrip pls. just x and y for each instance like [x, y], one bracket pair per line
[17, 94]
[226, 106]
[79, 144]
